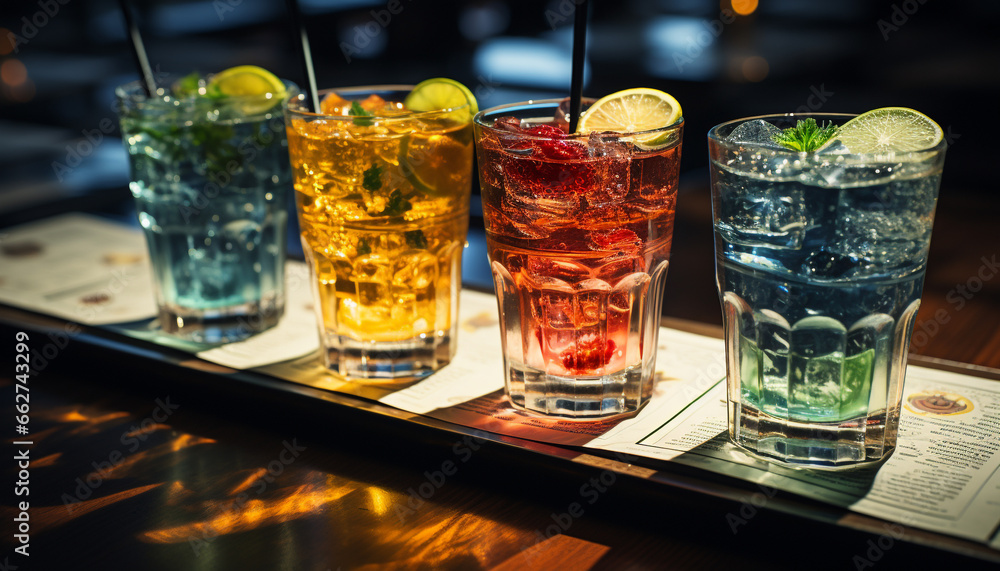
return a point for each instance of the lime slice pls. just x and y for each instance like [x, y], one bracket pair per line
[889, 130]
[442, 93]
[631, 111]
[261, 88]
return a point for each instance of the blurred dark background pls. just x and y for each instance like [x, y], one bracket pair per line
[722, 59]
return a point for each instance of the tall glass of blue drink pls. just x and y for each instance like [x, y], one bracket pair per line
[211, 181]
[820, 260]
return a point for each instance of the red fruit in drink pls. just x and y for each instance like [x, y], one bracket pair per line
[550, 131]
[619, 240]
[590, 353]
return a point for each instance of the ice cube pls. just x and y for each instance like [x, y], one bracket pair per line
[606, 145]
[620, 240]
[765, 215]
[619, 266]
[831, 265]
[756, 132]
[515, 222]
[563, 271]
[887, 238]
[612, 169]
[414, 271]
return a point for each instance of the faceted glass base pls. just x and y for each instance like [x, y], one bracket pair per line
[388, 360]
[624, 392]
[835, 445]
[222, 325]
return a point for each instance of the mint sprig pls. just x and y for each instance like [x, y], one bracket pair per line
[396, 205]
[806, 136]
[371, 179]
[361, 117]
[187, 85]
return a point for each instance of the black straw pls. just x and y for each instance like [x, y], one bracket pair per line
[305, 55]
[138, 51]
[579, 55]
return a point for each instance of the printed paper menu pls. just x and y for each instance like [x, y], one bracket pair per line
[77, 267]
[944, 475]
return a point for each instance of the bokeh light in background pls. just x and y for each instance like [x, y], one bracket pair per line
[754, 68]
[13, 72]
[16, 87]
[743, 7]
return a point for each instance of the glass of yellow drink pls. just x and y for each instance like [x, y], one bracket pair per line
[383, 201]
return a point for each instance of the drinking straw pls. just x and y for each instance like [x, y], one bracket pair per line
[579, 54]
[138, 51]
[305, 55]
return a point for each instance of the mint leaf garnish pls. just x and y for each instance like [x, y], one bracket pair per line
[416, 239]
[806, 136]
[187, 85]
[361, 117]
[396, 205]
[371, 179]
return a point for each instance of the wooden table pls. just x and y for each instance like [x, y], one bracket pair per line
[140, 464]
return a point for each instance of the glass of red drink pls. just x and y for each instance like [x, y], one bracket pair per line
[578, 229]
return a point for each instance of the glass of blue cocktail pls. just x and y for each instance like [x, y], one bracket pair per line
[822, 227]
[211, 180]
